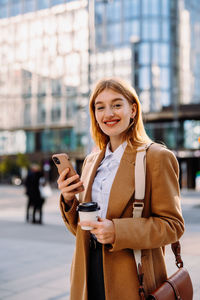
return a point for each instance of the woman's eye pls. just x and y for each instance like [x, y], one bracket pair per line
[99, 108]
[117, 105]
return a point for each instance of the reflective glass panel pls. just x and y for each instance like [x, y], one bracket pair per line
[191, 134]
[165, 7]
[131, 8]
[99, 11]
[144, 53]
[155, 7]
[154, 29]
[160, 53]
[30, 141]
[145, 7]
[145, 29]
[41, 4]
[15, 7]
[114, 34]
[99, 35]
[165, 78]
[41, 113]
[56, 110]
[144, 78]
[3, 11]
[55, 2]
[131, 29]
[29, 6]
[113, 11]
[165, 99]
[27, 114]
[166, 29]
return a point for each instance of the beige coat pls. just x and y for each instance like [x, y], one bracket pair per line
[161, 224]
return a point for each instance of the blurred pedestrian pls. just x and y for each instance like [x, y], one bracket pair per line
[35, 200]
[104, 265]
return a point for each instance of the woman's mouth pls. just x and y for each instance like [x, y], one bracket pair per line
[111, 122]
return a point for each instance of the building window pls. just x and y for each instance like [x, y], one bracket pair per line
[30, 142]
[154, 7]
[27, 114]
[114, 34]
[15, 8]
[41, 112]
[41, 4]
[144, 53]
[165, 99]
[99, 36]
[29, 6]
[131, 29]
[191, 134]
[70, 108]
[150, 29]
[144, 78]
[166, 30]
[131, 8]
[160, 53]
[113, 11]
[56, 2]
[99, 13]
[165, 78]
[55, 87]
[3, 11]
[56, 110]
[165, 7]
[145, 29]
[57, 140]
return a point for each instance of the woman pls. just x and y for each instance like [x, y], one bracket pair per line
[103, 265]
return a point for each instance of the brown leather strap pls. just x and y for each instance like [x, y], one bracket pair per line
[176, 248]
[176, 292]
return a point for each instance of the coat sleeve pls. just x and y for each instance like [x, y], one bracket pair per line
[165, 223]
[70, 215]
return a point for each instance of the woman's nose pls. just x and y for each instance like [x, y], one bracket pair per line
[109, 111]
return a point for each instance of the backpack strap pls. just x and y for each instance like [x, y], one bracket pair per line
[138, 204]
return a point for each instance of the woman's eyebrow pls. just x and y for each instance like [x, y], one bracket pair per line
[113, 100]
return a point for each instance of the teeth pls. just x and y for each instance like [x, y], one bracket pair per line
[111, 122]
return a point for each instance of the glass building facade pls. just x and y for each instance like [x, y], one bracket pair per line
[43, 75]
[51, 53]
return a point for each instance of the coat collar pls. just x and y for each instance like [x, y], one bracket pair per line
[123, 185]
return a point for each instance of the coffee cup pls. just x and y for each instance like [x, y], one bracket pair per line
[88, 211]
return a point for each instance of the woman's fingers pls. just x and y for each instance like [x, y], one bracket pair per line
[63, 175]
[70, 188]
[103, 229]
[67, 182]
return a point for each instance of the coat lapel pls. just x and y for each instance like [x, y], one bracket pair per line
[89, 173]
[123, 185]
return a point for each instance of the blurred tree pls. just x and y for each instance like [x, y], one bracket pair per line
[8, 166]
[22, 160]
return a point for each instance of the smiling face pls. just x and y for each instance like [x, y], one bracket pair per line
[113, 113]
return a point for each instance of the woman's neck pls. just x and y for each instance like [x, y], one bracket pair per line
[114, 144]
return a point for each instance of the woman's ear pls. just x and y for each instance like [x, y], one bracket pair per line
[134, 110]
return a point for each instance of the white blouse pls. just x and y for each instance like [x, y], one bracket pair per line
[105, 176]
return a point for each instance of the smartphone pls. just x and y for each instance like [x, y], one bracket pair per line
[62, 162]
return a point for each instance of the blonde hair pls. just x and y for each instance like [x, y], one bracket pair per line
[135, 133]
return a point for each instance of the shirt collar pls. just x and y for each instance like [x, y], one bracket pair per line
[117, 154]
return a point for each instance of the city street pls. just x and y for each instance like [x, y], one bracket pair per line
[35, 259]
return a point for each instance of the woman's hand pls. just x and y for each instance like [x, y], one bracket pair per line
[103, 229]
[68, 187]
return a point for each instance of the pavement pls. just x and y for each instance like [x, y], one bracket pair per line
[35, 259]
